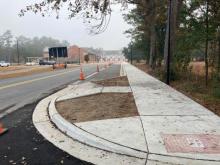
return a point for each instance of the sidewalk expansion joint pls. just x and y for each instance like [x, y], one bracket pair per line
[96, 147]
[64, 133]
[145, 138]
[111, 141]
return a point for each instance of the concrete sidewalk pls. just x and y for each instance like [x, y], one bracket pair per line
[177, 129]
[170, 127]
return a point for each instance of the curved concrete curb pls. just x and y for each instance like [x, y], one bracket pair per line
[95, 155]
[87, 138]
[75, 148]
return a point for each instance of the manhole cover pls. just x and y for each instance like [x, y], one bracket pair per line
[192, 143]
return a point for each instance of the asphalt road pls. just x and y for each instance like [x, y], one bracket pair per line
[22, 144]
[17, 92]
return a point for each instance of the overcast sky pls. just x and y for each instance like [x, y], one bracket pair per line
[73, 30]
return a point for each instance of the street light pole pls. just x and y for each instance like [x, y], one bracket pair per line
[169, 45]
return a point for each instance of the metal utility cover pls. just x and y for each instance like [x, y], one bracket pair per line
[192, 143]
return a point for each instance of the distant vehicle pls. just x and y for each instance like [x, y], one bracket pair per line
[4, 64]
[30, 63]
[43, 62]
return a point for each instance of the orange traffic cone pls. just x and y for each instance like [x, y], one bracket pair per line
[81, 77]
[97, 69]
[2, 129]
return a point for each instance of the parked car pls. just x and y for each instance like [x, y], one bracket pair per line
[43, 62]
[4, 64]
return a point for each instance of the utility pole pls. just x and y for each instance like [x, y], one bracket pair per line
[18, 55]
[169, 45]
[207, 43]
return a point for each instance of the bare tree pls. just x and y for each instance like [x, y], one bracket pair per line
[96, 13]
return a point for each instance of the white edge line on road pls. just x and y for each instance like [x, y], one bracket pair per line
[37, 79]
[5, 113]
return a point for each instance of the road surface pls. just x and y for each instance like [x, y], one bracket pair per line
[17, 92]
[23, 144]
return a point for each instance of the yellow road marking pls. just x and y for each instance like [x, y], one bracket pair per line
[30, 81]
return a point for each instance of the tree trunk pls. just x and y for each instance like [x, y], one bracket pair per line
[152, 46]
[152, 18]
[174, 23]
[149, 9]
[219, 54]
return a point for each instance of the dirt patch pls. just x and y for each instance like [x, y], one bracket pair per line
[12, 68]
[98, 107]
[18, 71]
[25, 72]
[118, 81]
[198, 68]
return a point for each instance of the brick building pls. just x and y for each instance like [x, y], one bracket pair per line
[92, 57]
[74, 52]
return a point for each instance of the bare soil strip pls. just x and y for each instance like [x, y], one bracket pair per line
[118, 81]
[25, 72]
[98, 107]
[12, 71]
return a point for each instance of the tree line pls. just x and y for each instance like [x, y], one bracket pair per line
[194, 28]
[11, 46]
